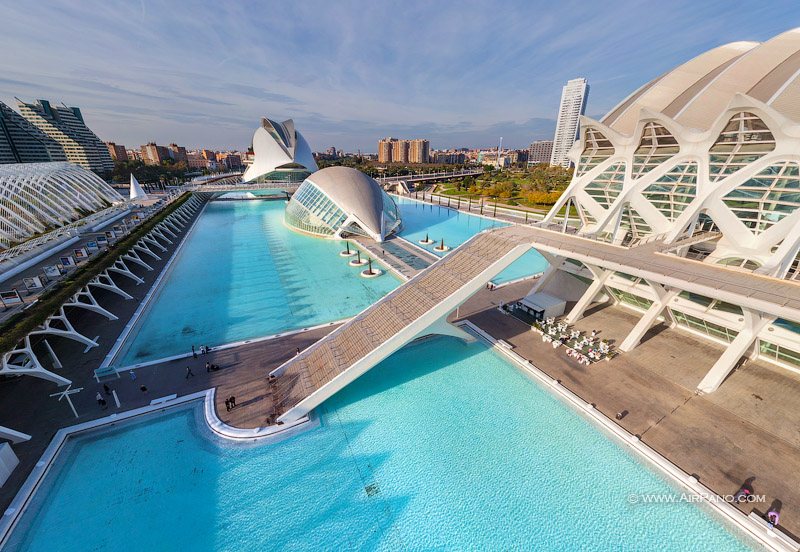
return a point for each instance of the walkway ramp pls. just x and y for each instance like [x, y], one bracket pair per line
[411, 310]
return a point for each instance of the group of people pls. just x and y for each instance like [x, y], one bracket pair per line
[230, 403]
[204, 349]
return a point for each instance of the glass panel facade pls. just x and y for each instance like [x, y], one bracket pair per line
[630, 298]
[767, 198]
[312, 211]
[657, 145]
[779, 353]
[633, 221]
[296, 175]
[709, 328]
[744, 139]
[606, 187]
[674, 191]
[597, 149]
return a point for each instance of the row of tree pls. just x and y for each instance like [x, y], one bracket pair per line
[536, 185]
[166, 173]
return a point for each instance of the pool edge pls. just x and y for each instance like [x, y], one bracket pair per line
[751, 526]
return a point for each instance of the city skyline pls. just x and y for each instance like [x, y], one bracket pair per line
[347, 79]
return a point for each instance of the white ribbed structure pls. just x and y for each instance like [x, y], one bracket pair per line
[39, 197]
[705, 144]
[706, 156]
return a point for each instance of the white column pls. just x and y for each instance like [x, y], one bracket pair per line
[754, 323]
[586, 299]
[649, 317]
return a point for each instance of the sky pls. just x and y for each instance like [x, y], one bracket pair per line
[461, 74]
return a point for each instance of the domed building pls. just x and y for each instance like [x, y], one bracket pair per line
[36, 198]
[715, 144]
[702, 164]
[339, 201]
[281, 154]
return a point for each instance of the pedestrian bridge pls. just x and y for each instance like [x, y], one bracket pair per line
[421, 305]
[416, 308]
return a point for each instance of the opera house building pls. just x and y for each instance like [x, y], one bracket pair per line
[281, 153]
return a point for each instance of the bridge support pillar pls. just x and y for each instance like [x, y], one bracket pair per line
[443, 327]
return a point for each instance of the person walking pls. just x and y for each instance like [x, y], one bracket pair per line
[132, 375]
[298, 350]
[189, 373]
[194, 353]
[208, 366]
[228, 405]
[100, 400]
[107, 389]
[233, 401]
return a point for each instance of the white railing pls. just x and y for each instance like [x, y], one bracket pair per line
[66, 230]
[430, 176]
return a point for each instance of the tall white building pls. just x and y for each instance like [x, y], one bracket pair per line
[573, 105]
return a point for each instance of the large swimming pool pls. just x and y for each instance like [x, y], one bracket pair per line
[443, 446]
[455, 227]
[243, 274]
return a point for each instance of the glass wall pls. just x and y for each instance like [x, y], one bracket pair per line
[709, 328]
[779, 353]
[312, 211]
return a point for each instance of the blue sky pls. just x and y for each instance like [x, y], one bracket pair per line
[460, 73]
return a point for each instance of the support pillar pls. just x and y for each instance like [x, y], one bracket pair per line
[649, 317]
[754, 323]
[588, 297]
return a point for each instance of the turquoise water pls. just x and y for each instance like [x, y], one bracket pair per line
[437, 222]
[459, 451]
[243, 274]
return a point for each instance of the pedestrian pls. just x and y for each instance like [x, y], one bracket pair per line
[228, 405]
[133, 375]
[194, 353]
[189, 373]
[107, 389]
[233, 401]
[208, 366]
[100, 400]
[143, 388]
[298, 350]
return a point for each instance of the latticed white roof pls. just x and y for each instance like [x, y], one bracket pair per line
[38, 197]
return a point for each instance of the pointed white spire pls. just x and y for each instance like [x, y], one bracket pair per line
[136, 189]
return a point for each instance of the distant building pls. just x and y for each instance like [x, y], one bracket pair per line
[66, 126]
[419, 151]
[153, 154]
[385, 150]
[400, 151]
[22, 142]
[177, 153]
[209, 155]
[230, 161]
[448, 157]
[392, 150]
[117, 152]
[195, 160]
[540, 151]
[573, 105]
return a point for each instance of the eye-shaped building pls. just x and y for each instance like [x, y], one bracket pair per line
[281, 154]
[339, 201]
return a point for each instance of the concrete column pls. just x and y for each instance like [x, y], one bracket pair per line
[648, 319]
[754, 323]
[583, 303]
